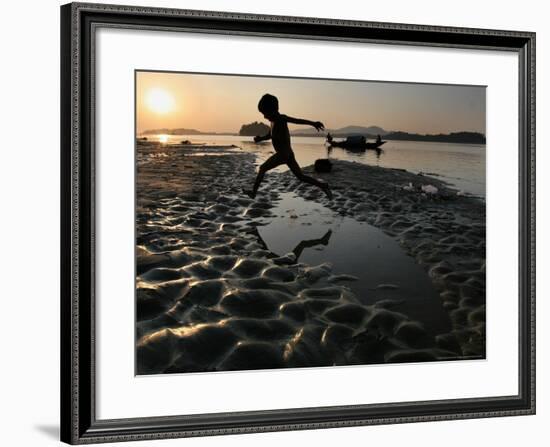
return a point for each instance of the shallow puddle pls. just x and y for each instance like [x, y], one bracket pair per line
[316, 235]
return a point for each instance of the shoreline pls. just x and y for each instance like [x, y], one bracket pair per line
[204, 279]
[146, 134]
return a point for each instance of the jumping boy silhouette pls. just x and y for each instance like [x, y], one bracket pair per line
[280, 137]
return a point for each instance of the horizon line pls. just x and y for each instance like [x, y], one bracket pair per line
[212, 132]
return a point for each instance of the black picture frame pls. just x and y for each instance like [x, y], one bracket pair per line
[78, 421]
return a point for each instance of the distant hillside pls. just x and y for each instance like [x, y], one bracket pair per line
[343, 131]
[259, 128]
[454, 137]
[253, 129]
[180, 131]
[374, 131]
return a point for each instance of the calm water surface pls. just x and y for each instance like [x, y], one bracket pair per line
[461, 165]
[317, 235]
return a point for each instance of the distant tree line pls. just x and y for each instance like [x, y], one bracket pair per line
[454, 137]
[253, 129]
[259, 128]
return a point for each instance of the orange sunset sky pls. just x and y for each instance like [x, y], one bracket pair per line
[222, 103]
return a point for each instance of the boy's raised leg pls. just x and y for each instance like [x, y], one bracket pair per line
[297, 171]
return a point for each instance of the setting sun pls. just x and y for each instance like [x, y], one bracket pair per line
[160, 101]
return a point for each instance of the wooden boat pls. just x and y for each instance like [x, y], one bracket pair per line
[356, 143]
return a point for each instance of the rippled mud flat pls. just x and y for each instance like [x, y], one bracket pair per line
[211, 296]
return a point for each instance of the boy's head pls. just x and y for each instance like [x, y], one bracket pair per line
[268, 105]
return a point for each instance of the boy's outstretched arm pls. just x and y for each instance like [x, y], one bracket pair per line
[259, 138]
[317, 124]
